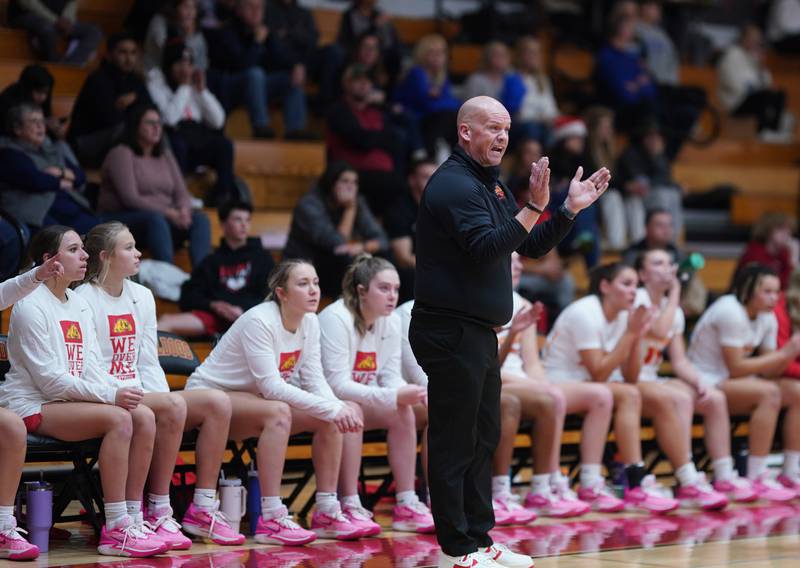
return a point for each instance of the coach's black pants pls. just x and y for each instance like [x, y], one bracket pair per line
[460, 359]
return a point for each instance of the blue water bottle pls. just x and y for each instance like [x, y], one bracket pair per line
[253, 499]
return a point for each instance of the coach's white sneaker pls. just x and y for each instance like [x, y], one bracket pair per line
[500, 554]
[473, 560]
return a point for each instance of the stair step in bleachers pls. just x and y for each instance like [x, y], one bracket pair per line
[740, 152]
[14, 44]
[750, 179]
[106, 14]
[68, 79]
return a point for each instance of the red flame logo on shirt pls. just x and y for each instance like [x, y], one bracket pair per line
[72, 331]
[121, 325]
[498, 191]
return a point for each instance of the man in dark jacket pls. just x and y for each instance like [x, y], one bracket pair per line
[250, 64]
[230, 281]
[98, 117]
[467, 229]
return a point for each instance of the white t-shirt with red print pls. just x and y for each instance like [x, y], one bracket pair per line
[412, 372]
[582, 325]
[14, 289]
[127, 335]
[364, 369]
[258, 355]
[53, 353]
[653, 347]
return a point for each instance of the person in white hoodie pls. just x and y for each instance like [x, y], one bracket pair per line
[125, 324]
[269, 364]
[58, 387]
[361, 353]
[12, 429]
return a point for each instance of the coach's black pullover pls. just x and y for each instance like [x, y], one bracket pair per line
[466, 232]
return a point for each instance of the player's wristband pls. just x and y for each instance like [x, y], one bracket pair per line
[533, 207]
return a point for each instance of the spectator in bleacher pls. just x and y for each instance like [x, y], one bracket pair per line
[401, 225]
[783, 25]
[142, 186]
[35, 85]
[367, 54]
[363, 16]
[546, 405]
[659, 233]
[787, 312]
[252, 66]
[734, 348]
[625, 85]
[362, 135]
[50, 21]
[567, 154]
[332, 224]
[10, 253]
[269, 364]
[98, 117]
[228, 282]
[425, 91]
[59, 390]
[773, 244]
[745, 87]
[41, 183]
[495, 78]
[193, 117]
[538, 108]
[593, 341]
[361, 352]
[644, 173]
[179, 19]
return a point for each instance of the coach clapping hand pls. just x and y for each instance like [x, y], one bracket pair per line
[584, 193]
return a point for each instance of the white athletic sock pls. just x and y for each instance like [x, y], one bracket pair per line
[406, 497]
[6, 517]
[116, 514]
[326, 502]
[156, 502]
[133, 507]
[351, 501]
[723, 468]
[269, 505]
[756, 465]
[687, 474]
[540, 484]
[501, 485]
[590, 473]
[791, 464]
[205, 499]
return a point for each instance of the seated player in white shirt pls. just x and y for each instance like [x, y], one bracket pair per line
[671, 403]
[125, 325]
[507, 511]
[733, 346]
[361, 357]
[546, 404]
[57, 386]
[591, 339]
[269, 364]
[12, 429]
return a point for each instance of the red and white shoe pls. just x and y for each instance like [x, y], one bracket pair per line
[361, 518]
[167, 528]
[281, 529]
[701, 496]
[791, 483]
[210, 526]
[650, 497]
[600, 497]
[500, 554]
[413, 517]
[508, 511]
[770, 490]
[334, 525]
[551, 505]
[14, 547]
[130, 541]
[473, 560]
[738, 489]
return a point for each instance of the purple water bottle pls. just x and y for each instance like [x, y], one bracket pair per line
[39, 513]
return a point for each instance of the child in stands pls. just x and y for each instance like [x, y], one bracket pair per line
[12, 428]
[269, 364]
[57, 386]
[734, 348]
[125, 325]
[361, 355]
[590, 342]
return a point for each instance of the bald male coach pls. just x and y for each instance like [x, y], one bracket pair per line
[467, 228]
